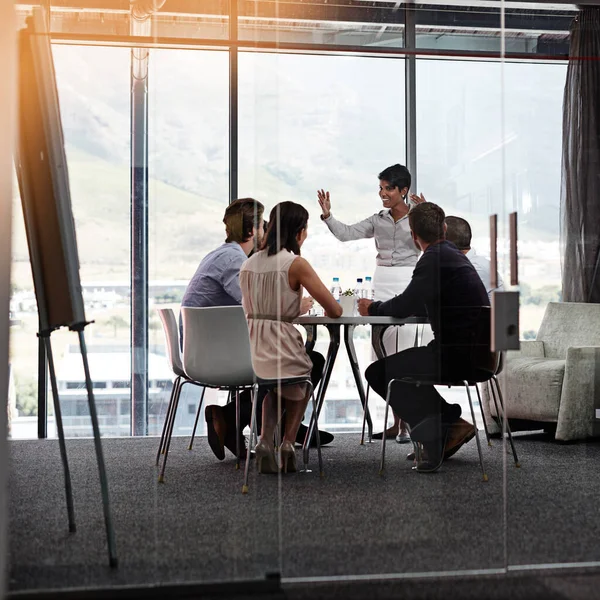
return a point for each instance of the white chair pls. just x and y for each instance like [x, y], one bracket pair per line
[171, 330]
[216, 353]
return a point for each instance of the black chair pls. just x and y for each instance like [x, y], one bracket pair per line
[483, 363]
[496, 395]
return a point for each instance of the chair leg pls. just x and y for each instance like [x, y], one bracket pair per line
[504, 417]
[385, 417]
[485, 477]
[161, 445]
[196, 419]
[238, 449]
[169, 422]
[161, 477]
[485, 427]
[317, 434]
[364, 421]
[252, 432]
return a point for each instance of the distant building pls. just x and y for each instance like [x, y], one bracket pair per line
[110, 368]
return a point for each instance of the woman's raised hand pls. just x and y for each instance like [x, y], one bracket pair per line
[324, 202]
[418, 199]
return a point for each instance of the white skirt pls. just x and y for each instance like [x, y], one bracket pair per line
[387, 283]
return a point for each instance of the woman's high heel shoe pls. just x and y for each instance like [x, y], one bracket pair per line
[265, 458]
[287, 452]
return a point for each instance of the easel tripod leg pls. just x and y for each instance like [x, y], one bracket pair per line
[110, 532]
[61, 434]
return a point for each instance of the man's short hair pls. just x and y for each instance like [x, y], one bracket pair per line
[397, 175]
[427, 221]
[458, 231]
[241, 217]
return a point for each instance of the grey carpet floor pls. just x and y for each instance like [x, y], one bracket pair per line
[197, 526]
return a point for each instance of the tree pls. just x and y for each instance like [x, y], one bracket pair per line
[117, 322]
[26, 396]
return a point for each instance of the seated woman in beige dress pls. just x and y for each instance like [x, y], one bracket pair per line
[272, 283]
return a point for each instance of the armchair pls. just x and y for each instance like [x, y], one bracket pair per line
[554, 381]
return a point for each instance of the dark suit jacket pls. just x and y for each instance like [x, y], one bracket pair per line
[446, 288]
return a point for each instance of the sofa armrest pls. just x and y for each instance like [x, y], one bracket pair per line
[529, 349]
[580, 393]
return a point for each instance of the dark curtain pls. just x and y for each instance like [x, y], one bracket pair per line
[580, 194]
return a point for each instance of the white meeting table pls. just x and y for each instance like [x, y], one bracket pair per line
[333, 326]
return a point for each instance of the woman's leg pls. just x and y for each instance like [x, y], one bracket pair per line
[294, 413]
[269, 418]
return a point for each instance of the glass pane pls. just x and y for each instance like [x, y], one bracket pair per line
[531, 28]
[23, 385]
[462, 146]
[189, 191]
[327, 126]
[550, 386]
[207, 20]
[307, 123]
[93, 87]
[459, 160]
[367, 24]
[93, 91]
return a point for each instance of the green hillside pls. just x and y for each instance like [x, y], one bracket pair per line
[182, 226]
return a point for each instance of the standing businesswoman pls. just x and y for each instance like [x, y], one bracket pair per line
[397, 256]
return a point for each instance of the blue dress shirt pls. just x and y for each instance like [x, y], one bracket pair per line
[217, 279]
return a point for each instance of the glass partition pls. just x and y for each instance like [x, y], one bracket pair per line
[312, 122]
[275, 101]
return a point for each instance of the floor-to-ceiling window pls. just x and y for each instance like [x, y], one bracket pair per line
[493, 145]
[324, 122]
[188, 193]
[93, 88]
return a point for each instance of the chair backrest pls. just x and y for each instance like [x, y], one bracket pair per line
[484, 362]
[216, 346]
[500, 362]
[167, 317]
[568, 324]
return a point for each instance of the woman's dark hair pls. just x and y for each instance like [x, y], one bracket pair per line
[286, 221]
[458, 231]
[241, 217]
[427, 221]
[397, 175]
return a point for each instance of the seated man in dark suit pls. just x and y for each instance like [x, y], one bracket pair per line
[446, 288]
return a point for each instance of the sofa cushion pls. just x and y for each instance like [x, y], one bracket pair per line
[532, 388]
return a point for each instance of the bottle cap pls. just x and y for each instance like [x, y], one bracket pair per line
[336, 278]
[367, 279]
[359, 280]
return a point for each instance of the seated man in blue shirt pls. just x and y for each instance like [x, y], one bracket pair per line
[217, 283]
[446, 288]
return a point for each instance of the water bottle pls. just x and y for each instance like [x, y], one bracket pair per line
[359, 289]
[336, 289]
[369, 293]
[358, 293]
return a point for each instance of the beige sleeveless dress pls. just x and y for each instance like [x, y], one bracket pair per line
[270, 305]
